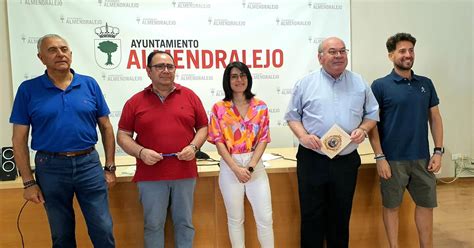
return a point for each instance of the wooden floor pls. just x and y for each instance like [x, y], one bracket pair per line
[453, 219]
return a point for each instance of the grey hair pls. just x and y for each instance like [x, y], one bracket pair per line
[40, 40]
[320, 47]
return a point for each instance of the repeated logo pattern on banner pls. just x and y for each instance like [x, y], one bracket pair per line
[111, 39]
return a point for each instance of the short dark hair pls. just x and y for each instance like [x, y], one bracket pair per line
[152, 54]
[226, 81]
[393, 40]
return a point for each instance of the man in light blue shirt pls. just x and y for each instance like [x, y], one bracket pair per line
[331, 95]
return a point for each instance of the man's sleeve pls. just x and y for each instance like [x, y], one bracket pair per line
[371, 106]
[201, 116]
[127, 118]
[295, 109]
[377, 91]
[434, 100]
[20, 114]
[102, 108]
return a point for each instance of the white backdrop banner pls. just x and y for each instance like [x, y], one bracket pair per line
[111, 39]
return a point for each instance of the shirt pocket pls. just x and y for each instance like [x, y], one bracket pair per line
[315, 110]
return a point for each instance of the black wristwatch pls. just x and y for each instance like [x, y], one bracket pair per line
[250, 168]
[110, 168]
[438, 150]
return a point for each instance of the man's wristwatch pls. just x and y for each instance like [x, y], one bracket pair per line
[196, 149]
[110, 168]
[250, 168]
[438, 150]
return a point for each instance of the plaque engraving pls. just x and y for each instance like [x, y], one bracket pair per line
[334, 141]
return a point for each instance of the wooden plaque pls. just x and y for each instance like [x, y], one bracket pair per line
[334, 141]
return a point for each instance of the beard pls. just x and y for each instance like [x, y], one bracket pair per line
[404, 65]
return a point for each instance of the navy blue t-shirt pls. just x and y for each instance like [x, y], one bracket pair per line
[404, 109]
[61, 120]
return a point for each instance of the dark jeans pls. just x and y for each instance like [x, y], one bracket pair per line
[60, 178]
[326, 188]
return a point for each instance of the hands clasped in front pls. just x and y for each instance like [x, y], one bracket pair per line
[242, 173]
[151, 157]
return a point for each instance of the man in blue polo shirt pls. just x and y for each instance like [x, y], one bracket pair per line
[63, 109]
[408, 102]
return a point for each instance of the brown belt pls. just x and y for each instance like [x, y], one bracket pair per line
[70, 154]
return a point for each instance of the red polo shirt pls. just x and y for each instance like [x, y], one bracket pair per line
[166, 127]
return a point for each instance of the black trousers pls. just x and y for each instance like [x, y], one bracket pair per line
[326, 189]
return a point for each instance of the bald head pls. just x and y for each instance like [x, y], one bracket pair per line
[325, 41]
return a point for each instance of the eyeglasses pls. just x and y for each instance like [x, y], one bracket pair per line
[334, 52]
[242, 75]
[162, 67]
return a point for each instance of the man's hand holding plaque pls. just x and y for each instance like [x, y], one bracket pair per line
[334, 141]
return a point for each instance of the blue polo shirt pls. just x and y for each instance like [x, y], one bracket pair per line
[61, 120]
[404, 109]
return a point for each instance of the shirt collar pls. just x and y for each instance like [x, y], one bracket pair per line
[252, 104]
[329, 77]
[47, 83]
[176, 87]
[398, 79]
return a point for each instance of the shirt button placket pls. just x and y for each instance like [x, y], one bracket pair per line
[335, 101]
[66, 102]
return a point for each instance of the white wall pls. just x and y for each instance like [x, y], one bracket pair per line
[444, 52]
[472, 76]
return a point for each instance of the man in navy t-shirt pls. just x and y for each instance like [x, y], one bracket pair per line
[407, 102]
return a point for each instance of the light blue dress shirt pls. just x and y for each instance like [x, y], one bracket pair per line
[319, 101]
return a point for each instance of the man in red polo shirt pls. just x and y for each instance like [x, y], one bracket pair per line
[171, 125]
